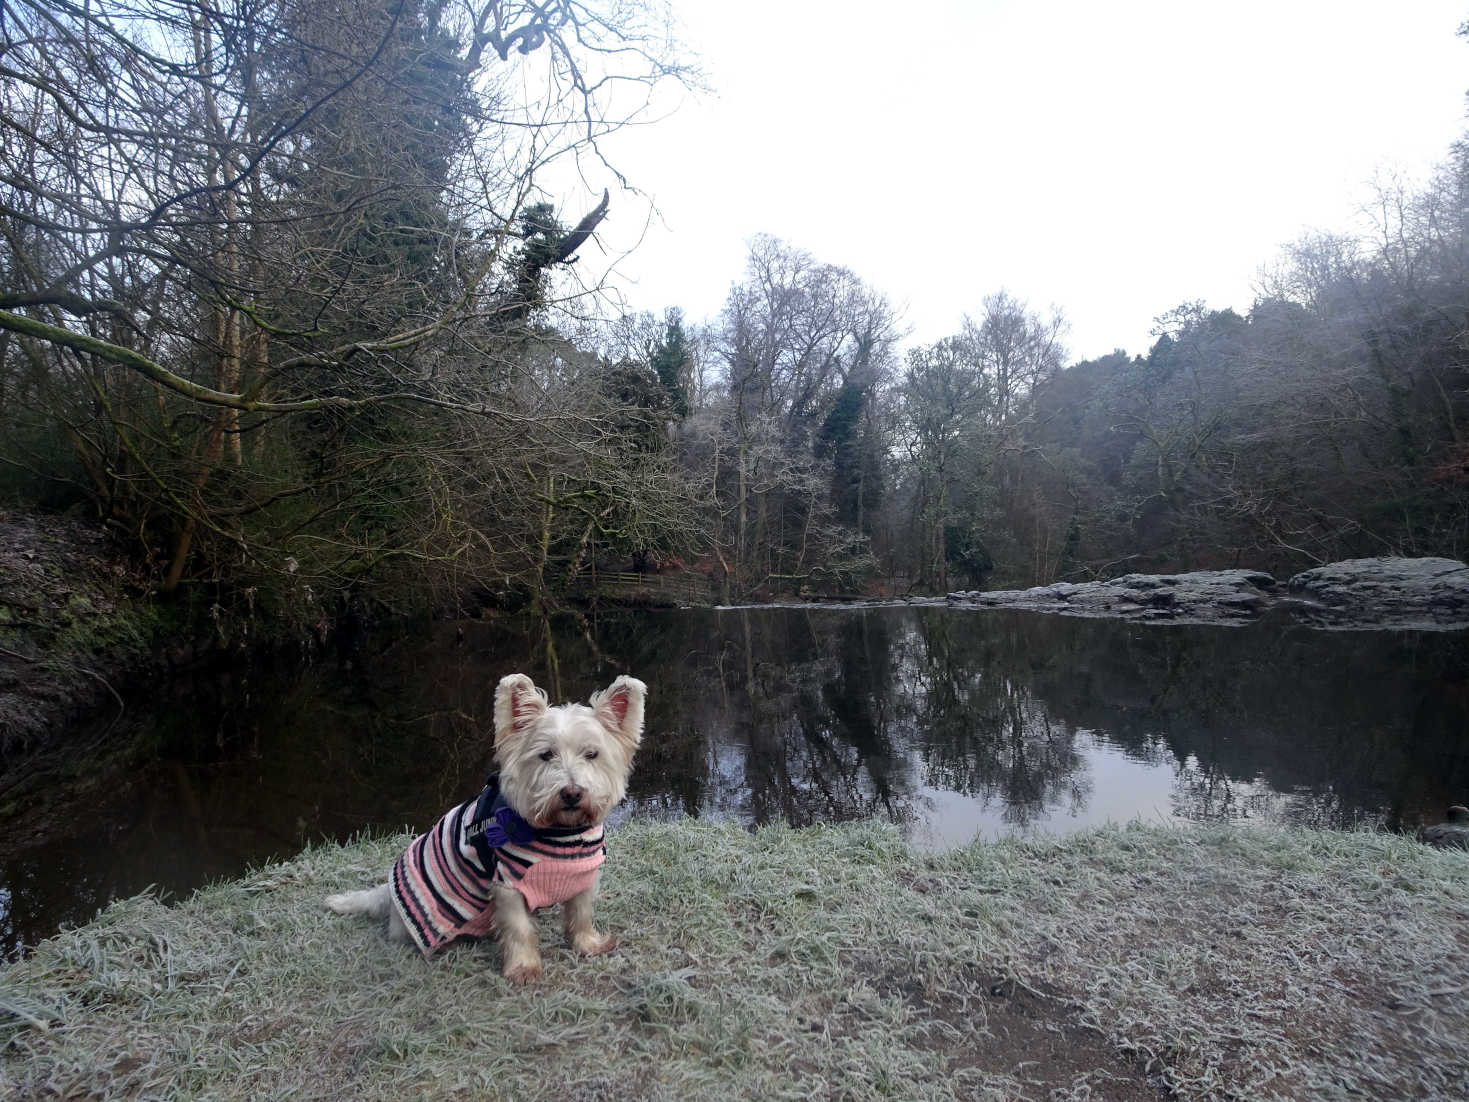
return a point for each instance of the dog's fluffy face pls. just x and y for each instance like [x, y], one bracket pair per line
[566, 766]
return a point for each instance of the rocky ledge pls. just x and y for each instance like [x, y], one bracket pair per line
[1422, 594]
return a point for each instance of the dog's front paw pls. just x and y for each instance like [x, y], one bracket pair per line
[524, 973]
[589, 943]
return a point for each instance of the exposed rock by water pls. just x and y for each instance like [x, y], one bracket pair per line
[1360, 593]
[1387, 592]
[1452, 833]
[1206, 596]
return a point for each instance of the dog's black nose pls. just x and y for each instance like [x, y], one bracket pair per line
[571, 795]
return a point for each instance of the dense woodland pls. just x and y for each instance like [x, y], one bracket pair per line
[283, 306]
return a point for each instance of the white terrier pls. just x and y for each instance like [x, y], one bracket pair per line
[532, 838]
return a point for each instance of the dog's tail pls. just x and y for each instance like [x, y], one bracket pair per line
[370, 901]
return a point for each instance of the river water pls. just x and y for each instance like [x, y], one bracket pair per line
[951, 723]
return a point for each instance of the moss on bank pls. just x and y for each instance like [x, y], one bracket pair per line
[70, 629]
[81, 625]
[829, 962]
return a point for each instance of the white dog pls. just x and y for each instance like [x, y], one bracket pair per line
[532, 838]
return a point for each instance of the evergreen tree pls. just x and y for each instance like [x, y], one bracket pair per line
[367, 188]
[672, 360]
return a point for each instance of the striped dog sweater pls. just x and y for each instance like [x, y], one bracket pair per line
[441, 884]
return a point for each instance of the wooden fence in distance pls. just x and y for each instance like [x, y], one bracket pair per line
[655, 589]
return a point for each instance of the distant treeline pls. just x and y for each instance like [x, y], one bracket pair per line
[1326, 423]
[282, 306]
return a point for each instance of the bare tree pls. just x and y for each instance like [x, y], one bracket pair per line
[234, 229]
[1015, 349]
[797, 335]
[966, 408]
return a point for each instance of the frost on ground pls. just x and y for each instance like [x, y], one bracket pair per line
[829, 963]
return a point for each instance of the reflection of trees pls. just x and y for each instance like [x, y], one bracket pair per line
[817, 728]
[821, 715]
[809, 714]
[1205, 793]
[1269, 721]
[979, 729]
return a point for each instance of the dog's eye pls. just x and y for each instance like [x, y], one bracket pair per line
[591, 754]
[547, 755]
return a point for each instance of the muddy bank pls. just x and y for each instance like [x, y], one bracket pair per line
[83, 632]
[1398, 593]
[73, 629]
[1121, 964]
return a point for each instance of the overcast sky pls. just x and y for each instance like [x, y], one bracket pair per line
[1113, 159]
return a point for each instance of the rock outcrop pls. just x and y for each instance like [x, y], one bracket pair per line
[1385, 592]
[1359, 593]
[1204, 596]
[1452, 833]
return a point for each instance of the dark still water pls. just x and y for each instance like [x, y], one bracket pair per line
[948, 722]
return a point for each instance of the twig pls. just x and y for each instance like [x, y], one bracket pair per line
[121, 707]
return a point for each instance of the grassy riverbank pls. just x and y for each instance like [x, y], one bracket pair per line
[829, 963]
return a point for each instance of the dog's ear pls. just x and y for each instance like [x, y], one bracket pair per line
[518, 705]
[619, 708]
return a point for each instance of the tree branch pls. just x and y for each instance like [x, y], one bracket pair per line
[150, 369]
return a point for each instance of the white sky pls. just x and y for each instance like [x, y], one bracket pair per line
[1114, 159]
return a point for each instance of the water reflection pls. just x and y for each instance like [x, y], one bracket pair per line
[948, 722]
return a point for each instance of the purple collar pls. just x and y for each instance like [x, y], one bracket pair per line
[507, 826]
[498, 824]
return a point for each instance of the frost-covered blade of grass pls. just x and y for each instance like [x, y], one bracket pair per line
[828, 963]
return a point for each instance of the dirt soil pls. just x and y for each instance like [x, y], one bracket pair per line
[70, 628]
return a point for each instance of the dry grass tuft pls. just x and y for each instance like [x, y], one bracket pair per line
[829, 963]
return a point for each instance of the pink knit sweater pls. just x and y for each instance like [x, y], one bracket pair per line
[441, 884]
